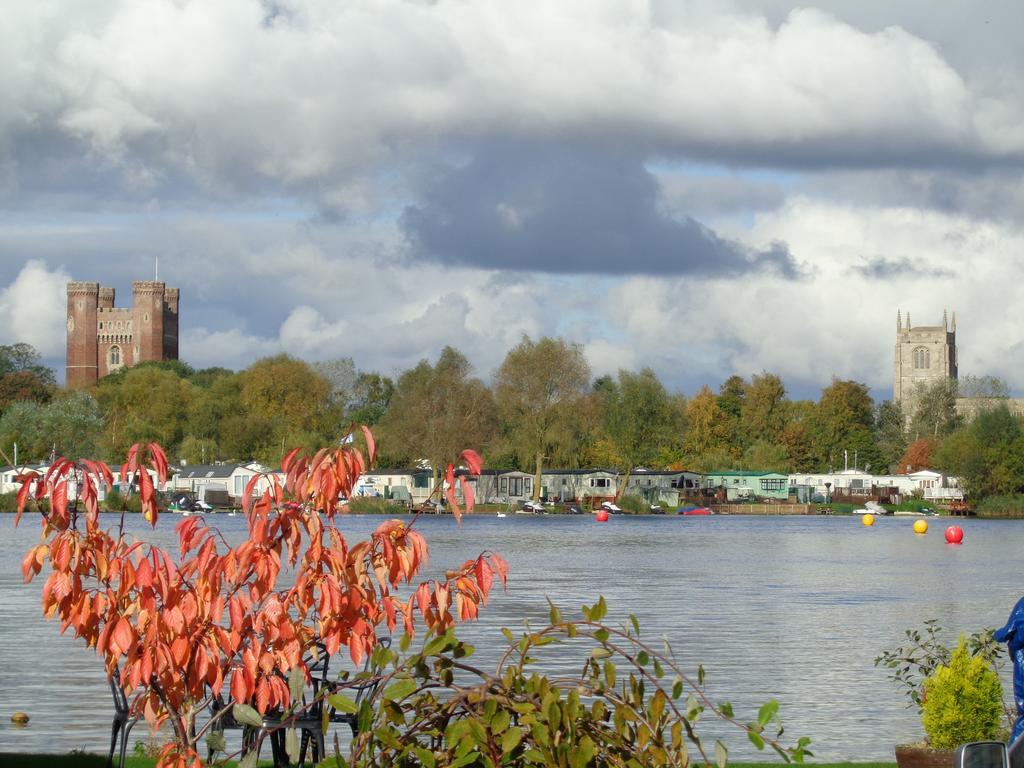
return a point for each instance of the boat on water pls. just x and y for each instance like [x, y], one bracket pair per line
[872, 508]
[531, 508]
[692, 510]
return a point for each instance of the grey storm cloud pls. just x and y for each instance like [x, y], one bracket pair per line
[882, 268]
[569, 209]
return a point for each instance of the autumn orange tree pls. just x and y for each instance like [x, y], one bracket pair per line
[176, 630]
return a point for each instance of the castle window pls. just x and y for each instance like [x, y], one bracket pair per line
[114, 356]
[921, 358]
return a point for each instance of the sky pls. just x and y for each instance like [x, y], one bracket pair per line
[704, 188]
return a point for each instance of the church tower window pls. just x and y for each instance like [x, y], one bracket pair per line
[922, 358]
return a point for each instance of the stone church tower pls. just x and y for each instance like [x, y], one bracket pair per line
[924, 354]
[103, 338]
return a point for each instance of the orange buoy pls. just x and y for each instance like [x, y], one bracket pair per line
[602, 515]
[920, 526]
[868, 520]
[955, 534]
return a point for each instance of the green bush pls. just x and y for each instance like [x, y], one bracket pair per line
[375, 505]
[115, 502]
[1001, 506]
[634, 505]
[963, 701]
[9, 503]
[629, 705]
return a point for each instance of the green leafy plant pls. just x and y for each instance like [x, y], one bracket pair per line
[923, 652]
[962, 701]
[629, 705]
[635, 505]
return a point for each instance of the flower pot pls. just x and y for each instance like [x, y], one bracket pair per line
[921, 756]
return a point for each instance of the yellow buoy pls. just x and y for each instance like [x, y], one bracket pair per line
[920, 526]
[19, 718]
[868, 520]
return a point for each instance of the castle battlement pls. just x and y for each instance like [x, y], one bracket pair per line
[103, 338]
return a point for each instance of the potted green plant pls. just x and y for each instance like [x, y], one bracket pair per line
[957, 693]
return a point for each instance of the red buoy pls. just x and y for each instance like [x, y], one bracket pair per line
[602, 515]
[955, 534]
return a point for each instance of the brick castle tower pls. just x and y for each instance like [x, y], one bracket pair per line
[103, 338]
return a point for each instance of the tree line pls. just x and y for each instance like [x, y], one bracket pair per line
[541, 408]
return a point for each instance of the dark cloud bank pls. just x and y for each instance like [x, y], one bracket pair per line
[568, 209]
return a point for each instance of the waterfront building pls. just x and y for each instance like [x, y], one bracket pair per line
[853, 484]
[411, 486]
[667, 486]
[746, 485]
[103, 338]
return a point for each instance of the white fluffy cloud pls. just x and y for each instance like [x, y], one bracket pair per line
[33, 308]
[226, 94]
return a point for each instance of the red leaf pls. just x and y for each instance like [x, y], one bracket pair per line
[247, 496]
[467, 493]
[484, 576]
[59, 500]
[473, 460]
[501, 568]
[371, 444]
[286, 462]
[262, 696]
[26, 480]
[450, 495]
[159, 461]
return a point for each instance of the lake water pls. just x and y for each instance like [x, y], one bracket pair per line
[792, 608]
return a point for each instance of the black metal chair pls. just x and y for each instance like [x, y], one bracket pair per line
[323, 686]
[123, 721]
[309, 723]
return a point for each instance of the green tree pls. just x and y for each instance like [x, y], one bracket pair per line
[15, 358]
[23, 376]
[796, 436]
[731, 395]
[198, 450]
[21, 425]
[935, 409]
[889, 434]
[143, 404]
[373, 396]
[537, 389]
[765, 456]
[73, 424]
[21, 386]
[286, 391]
[983, 387]
[706, 441]
[438, 410]
[841, 426]
[640, 420]
[763, 413]
[987, 454]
